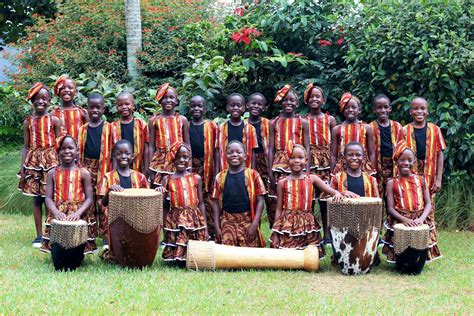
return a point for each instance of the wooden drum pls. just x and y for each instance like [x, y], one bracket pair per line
[355, 226]
[68, 241]
[203, 255]
[411, 245]
[135, 220]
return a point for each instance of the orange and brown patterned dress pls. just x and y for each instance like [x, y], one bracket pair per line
[320, 145]
[249, 139]
[71, 120]
[286, 129]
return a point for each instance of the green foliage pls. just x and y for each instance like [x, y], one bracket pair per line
[13, 110]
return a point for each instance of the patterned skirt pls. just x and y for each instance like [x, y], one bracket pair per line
[433, 252]
[69, 207]
[320, 157]
[261, 160]
[280, 162]
[198, 168]
[298, 229]
[235, 226]
[92, 165]
[36, 166]
[180, 226]
[384, 173]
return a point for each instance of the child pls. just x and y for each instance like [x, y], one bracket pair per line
[427, 142]
[96, 141]
[408, 200]
[203, 135]
[238, 201]
[186, 218]
[351, 130]
[354, 179]
[287, 126]
[165, 128]
[295, 225]
[236, 129]
[386, 136]
[132, 129]
[121, 178]
[69, 194]
[71, 116]
[320, 126]
[38, 156]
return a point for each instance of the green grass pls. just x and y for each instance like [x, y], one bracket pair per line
[29, 285]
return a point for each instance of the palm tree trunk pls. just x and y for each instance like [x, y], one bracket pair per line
[133, 25]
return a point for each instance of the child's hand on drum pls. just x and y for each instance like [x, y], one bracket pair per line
[161, 189]
[338, 197]
[73, 217]
[349, 194]
[116, 188]
[419, 221]
[60, 216]
[409, 222]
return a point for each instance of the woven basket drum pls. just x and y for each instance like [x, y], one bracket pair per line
[135, 219]
[355, 226]
[411, 246]
[68, 240]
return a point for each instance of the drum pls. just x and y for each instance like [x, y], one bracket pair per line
[207, 255]
[411, 245]
[355, 226]
[135, 220]
[68, 241]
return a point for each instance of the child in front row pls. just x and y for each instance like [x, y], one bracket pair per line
[186, 219]
[238, 201]
[38, 156]
[123, 177]
[295, 225]
[408, 202]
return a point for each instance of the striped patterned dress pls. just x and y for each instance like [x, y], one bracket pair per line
[249, 139]
[286, 129]
[140, 138]
[71, 120]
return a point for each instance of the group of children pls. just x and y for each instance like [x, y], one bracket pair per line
[218, 179]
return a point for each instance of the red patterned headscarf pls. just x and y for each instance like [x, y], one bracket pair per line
[290, 147]
[161, 91]
[308, 90]
[34, 90]
[174, 150]
[346, 97]
[59, 84]
[399, 149]
[282, 93]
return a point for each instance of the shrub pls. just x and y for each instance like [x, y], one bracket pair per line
[13, 110]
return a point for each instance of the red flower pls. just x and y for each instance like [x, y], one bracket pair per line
[340, 41]
[172, 28]
[295, 54]
[245, 35]
[239, 11]
[323, 43]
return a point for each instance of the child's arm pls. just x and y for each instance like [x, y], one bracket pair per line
[271, 151]
[317, 182]
[334, 141]
[86, 182]
[306, 143]
[185, 123]
[152, 144]
[49, 195]
[332, 122]
[85, 116]
[217, 218]
[252, 232]
[426, 197]
[436, 187]
[370, 145]
[254, 159]
[26, 146]
[57, 126]
[201, 203]
[279, 205]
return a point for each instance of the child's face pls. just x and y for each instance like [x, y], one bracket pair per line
[382, 109]
[298, 159]
[354, 156]
[41, 101]
[123, 155]
[289, 103]
[352, 110]
[68, 91]
[256, 105]
[235, 107]
[125, 106]
[197, 107]
[405, 162]
[95, 109]
[169, 100]
[235, 155]
[316, 99]
[419, 110]
[68, 150]
[181, 161]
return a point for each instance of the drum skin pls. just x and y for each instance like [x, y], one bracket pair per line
[67, 259]
[131, 248]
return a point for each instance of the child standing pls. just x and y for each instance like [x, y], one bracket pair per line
[121, 178]
[96, 141]
[386, 136]
[71, 116]
[186, 218]
[320, 126]
[351, 130]
[295, 225]
[132, 129]
[427, 142]
[236, 129]
[166, 128]
[203, 136]
[238, 201]
[69, 194]
[288, 126]
[408, 201]
[38, 156]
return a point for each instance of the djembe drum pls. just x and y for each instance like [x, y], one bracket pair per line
[68, 241]
[355, 226]
[207, 255]
[135, 219]
[411, 246]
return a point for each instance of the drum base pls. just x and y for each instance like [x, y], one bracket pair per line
[131, 248]
[67, 259]
[411, 261]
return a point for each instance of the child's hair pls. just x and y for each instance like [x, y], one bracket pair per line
[380, 96]
[353, 144]
[125, 93]
[198, 97]
[419, 98]
[235, 94]
[95, 96]
[61, 140]
[300, 147]
[235, 142]
[255, 94]
[292, 91]
[122, 142]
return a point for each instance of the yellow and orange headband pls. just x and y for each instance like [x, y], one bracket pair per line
[34, 90]
[161, 91]
[59, 84]
[175, 148]
[308, 90]
[399, 149]
[290, 147]
[282, 93]
[346, 97]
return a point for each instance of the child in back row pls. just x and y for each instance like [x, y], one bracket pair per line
[38, 156]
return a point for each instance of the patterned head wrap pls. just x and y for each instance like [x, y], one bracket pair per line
[290, 147]
[161, 91]
[175, 148]
[34, 90]
[59, 84]
[399, 149]
[282, 93]
[346, 97]
[308, 90]
[60, 139]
